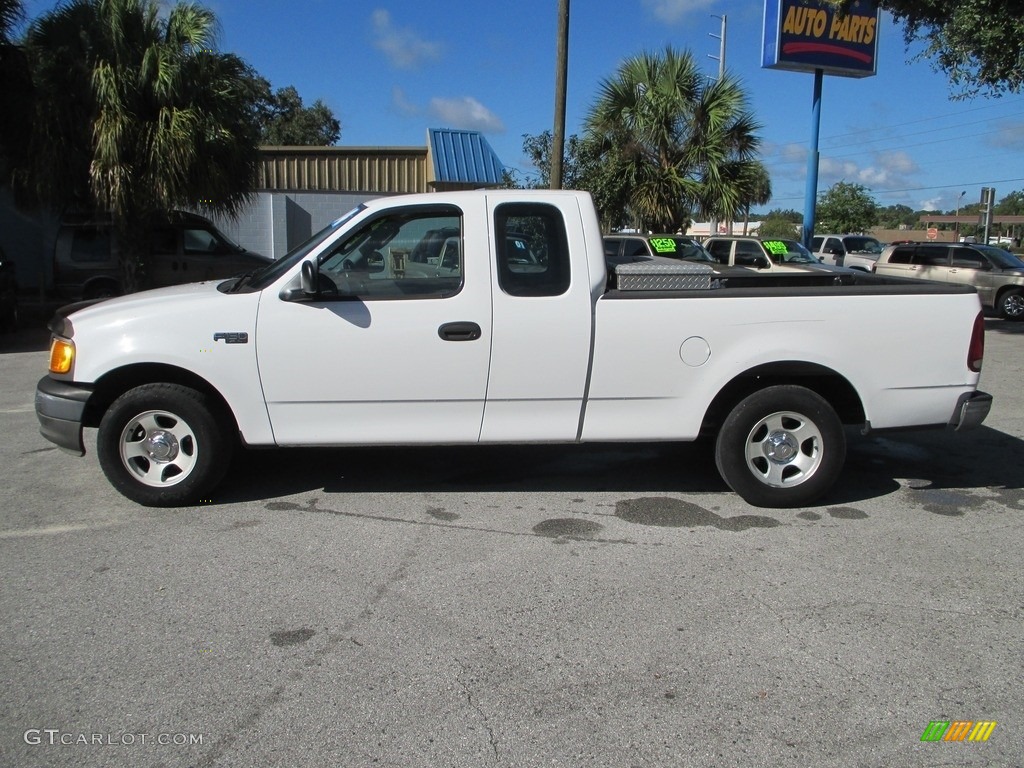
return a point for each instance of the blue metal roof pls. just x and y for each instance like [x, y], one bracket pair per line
[464, 157]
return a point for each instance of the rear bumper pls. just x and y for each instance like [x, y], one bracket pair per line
[971, 410]
[59, 408]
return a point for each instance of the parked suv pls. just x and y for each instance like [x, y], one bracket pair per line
[997, 274]
[854, 251]
[185, 248]
[769, 254]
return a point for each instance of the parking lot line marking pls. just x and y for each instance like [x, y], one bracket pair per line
[55, 530]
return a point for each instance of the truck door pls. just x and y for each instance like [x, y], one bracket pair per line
[394, 350]
[542, 314]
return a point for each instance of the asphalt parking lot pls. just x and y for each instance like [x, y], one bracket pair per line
[522, 606]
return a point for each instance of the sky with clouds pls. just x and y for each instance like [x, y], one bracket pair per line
[392, 69]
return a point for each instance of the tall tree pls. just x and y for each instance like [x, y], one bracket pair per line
[678, 142]
[135, 113]
[11, 12]
[584, 166]
[893, 216]
[846, 207]
[756, 191]
[976, 43]
[781, 224]
[15, 80]
[285, 121]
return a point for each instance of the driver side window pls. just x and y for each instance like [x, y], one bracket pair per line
[406, 254]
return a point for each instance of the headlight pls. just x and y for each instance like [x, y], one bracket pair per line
[62, 355]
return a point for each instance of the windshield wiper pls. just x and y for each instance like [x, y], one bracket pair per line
[242, 279]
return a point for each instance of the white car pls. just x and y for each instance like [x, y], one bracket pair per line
[770, 254]
[858, 252]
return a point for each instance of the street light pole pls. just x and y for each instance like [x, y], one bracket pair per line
[721, 46]
[956, 224]
[713, 228]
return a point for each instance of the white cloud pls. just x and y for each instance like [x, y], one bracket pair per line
[402, 104]
[887, 170]
[467, 113]
[403, 47]
[671, 11]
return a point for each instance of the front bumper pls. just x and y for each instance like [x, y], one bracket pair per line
[971, 410]
[59, 408]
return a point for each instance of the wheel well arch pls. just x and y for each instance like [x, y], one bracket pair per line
[1005, 290]
[115, 383]
[829, 384]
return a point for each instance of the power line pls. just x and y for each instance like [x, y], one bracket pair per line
[987, 182]
[892, 149]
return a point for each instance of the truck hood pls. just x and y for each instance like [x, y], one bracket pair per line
[192, 297]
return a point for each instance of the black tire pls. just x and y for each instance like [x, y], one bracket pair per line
[164, 445]
[783, 446]
[1011, 304]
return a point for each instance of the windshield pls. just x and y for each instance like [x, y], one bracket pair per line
[788, 252]
[675, 247]
[862, 244]
[275, 269]
[1003, 259]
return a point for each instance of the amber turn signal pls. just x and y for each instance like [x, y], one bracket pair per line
[62, 355]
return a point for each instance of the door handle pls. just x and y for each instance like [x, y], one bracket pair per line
[461, 331]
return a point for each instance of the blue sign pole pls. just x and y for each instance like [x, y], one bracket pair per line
[811, 188]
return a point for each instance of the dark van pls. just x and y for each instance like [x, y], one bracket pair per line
[186, 248]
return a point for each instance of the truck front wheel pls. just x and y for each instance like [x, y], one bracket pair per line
[782, 446]
[162, 445]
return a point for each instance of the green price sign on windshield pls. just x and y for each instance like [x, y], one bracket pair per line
[776, 247]
[663, 244]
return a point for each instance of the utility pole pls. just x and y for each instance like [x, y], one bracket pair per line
[561, 75]
[956, 225]
[721, 73]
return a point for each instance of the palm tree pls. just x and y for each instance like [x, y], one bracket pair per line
[15, 82]
[756, 191]
[136, 114]
[11, 12]
[682, 143]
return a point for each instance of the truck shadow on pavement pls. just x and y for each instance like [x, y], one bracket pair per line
[945, 472]
[1003, 326]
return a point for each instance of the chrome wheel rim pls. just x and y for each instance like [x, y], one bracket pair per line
[784, 449]
[158, 448]
[1013, 305]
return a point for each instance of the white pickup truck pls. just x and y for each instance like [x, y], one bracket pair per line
[485, 317]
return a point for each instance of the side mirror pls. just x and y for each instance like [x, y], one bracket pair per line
[308, 278]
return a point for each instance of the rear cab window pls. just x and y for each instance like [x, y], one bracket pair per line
[532, 250]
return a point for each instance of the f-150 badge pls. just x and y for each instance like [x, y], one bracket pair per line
[232, 337]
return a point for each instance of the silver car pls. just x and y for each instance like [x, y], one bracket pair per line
[997, 274]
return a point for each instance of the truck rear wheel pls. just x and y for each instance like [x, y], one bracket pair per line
[163, 445]
[781, 447]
